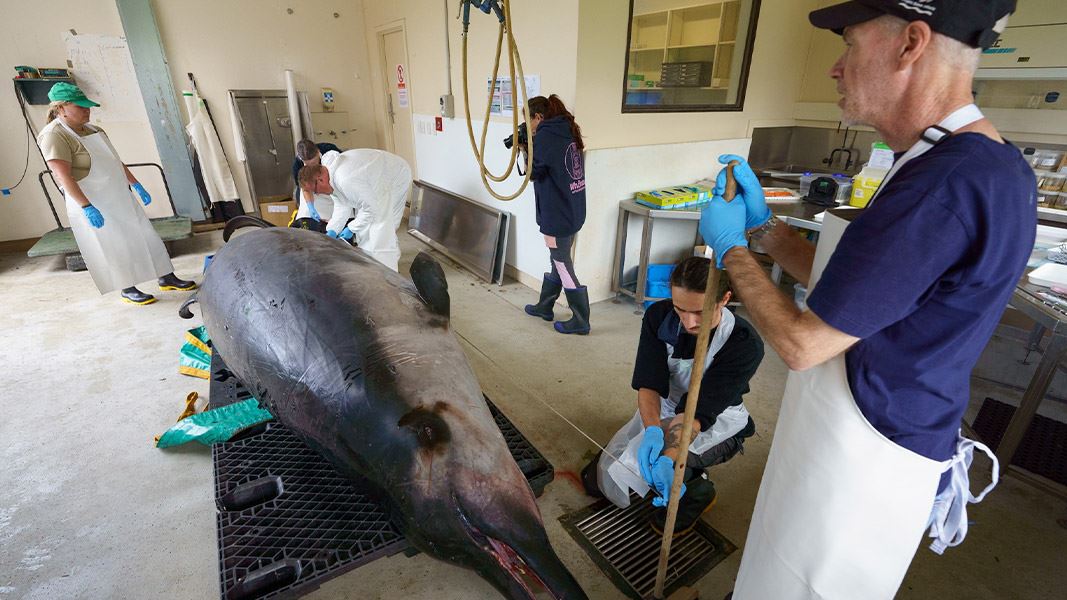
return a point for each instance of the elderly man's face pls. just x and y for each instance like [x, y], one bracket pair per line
[322, 183]
[864, 73]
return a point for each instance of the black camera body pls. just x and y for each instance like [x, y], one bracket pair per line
[524, 137]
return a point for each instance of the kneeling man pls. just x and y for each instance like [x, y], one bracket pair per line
[649, 444]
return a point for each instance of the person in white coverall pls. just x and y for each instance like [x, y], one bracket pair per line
[370, 187]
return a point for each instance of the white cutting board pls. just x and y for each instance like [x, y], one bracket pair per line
[1049, 275]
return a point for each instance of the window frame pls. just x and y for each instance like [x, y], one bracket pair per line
[737, 106]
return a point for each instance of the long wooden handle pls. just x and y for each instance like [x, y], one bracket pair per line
[699, 358]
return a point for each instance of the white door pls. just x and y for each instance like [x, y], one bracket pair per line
[397, 94]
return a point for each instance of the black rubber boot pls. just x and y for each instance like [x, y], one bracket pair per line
[550, 289]
[579, 321]
[171, 283]
[132, 295]
[698, 499]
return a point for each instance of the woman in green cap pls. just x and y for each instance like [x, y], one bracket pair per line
[116, 239]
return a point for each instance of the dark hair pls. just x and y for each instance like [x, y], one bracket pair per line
[553, 107]
[692, 274]
[308, 175]
[306, 150]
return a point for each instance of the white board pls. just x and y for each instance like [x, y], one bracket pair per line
[103, 68]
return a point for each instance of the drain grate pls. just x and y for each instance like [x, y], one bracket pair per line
[287, 522]
[1043, 450]
[622, 543]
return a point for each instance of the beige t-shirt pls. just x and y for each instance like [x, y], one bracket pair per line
[58, 144]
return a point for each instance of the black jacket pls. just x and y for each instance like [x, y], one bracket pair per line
[724, 383]
[559, 179]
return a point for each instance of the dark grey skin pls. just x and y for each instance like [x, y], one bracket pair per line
[361, 363]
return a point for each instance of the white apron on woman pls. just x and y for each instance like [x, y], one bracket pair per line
[126, 250]
[841, 508]
[617, 478]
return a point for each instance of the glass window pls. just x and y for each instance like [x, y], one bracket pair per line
[687, 55]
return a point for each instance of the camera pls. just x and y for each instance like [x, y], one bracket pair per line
[524, 138]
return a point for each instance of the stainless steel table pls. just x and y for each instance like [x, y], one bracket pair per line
[1052, 320]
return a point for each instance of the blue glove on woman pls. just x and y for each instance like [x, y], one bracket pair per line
[332, 234]
[143, 193]
[93, 214]
[314, 213]
[662, 478]
[722, 225]
[648, 452]
[748, 189]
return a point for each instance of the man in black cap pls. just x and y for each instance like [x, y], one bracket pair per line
[867, 452]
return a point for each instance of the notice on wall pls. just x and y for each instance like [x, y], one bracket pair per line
[505, 99]
[103, 69]
[401, 86]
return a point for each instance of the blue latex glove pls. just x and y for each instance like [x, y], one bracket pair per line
[648, 452]
[332, 234]
[93, 214]
[314, 213]
[662, 478]
[346, 234]
[748, 189]
[143, 193]
[722, 225]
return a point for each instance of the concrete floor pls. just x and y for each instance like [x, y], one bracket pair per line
[90, 509]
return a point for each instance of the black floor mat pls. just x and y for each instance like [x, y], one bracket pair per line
[287, 522]
[626, 548]
[1043, 450]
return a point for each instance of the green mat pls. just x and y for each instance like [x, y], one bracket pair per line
[215, 425]
[195, 356]
[61, 241]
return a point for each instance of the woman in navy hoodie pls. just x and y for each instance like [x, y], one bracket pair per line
[559, 190]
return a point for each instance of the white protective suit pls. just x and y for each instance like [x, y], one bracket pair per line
[372, 186]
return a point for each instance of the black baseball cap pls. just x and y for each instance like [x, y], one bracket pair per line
[977, 23]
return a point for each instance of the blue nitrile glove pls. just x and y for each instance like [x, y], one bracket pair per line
[332, 234]
[663, 478]
[143, 193]
[748, 189]
[648, 452]
[314, 213]
[93, 214]
[346, 234]
[722, 225]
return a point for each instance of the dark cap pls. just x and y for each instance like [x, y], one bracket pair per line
[977, 23]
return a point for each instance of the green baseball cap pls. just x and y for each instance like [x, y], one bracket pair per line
[68, 92]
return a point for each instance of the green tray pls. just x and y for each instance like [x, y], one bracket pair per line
[61, 241]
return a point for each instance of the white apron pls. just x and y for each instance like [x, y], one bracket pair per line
[615, 479]
[841, 508]
[126, 250]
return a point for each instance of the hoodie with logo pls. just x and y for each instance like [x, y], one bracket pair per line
[558, 176]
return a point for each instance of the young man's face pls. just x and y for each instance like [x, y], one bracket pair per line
[322, 183]
[690, 308]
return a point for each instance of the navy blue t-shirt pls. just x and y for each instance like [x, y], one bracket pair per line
[923, 277]
[558, 176]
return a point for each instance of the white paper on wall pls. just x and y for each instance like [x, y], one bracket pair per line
[506, 99]
[103, 70]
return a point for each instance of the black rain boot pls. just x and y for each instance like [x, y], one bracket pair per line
[578, 298]
[550, 289]
[171, 283]
[698, 499]
[132, 295]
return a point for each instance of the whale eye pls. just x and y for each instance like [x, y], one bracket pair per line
[430, 429]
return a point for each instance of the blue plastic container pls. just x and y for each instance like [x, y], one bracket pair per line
[658, 283]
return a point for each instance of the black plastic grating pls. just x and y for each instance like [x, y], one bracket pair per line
[624, 546]
[305, 523]
[1043, 450]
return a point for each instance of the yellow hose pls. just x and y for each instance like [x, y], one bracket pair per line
[514, 62]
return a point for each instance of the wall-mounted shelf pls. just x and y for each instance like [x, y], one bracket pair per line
[35, 91]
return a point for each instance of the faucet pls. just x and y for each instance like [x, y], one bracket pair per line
[843, 149]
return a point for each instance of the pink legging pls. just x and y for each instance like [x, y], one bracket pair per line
[559, 253]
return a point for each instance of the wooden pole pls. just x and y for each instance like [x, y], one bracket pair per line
[691, 405]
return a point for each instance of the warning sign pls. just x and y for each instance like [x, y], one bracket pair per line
[401, 86]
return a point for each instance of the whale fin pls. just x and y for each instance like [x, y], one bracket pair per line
[429, 279]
